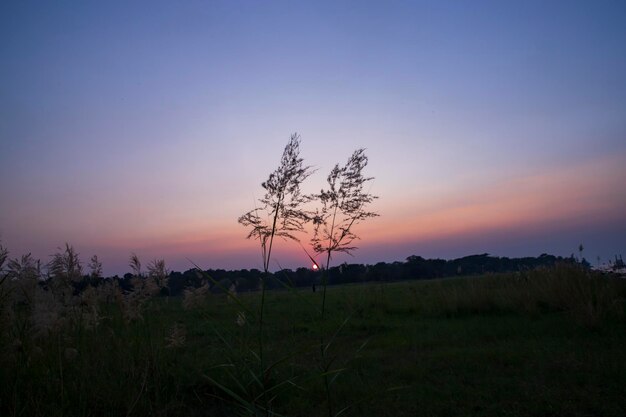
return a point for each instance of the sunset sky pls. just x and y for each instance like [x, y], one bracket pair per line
[495, 127]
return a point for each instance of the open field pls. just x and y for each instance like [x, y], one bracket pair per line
[540, 343]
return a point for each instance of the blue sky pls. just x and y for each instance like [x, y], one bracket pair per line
[494, 127]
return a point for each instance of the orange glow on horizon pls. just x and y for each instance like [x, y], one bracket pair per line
[541, 202]
[572, 195]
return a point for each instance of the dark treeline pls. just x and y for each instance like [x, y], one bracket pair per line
[414, 268]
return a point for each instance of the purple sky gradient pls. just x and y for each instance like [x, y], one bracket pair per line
[494, 127]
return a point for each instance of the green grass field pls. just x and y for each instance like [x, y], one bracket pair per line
[548, 343]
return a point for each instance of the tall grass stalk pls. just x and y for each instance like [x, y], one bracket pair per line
[343, 205]
[280, 215]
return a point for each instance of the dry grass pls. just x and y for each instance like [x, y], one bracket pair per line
[588, 296]
[105, 351]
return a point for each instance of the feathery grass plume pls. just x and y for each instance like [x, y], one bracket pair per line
[143, 288]
[157, 272]
[135, 265]
[133, 302]
[131, 305]
[24, 274]
[282, 202]
[343, 205]
[65, 265]
[176, 337]
[65, 273]
[95, 267]
[195, 297]
[64, 270]
[18, 287]
[232, 293]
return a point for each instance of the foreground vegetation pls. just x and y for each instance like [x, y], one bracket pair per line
[544, 342]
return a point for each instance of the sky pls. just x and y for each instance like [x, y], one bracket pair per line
[147, 127]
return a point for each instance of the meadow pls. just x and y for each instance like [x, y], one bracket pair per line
[548, 342]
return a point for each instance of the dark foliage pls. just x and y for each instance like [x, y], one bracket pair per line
[414, 268]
